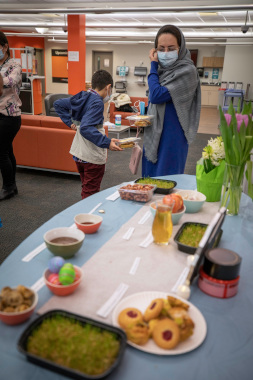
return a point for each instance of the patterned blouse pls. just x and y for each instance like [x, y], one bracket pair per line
[10, 102]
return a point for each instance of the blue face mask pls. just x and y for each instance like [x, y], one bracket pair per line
[1, 54]
[107, 98]
[167, 58]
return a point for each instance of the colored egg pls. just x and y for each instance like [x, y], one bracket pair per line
[55, 264]
[54, 279]
[77, 274]
[67, 274]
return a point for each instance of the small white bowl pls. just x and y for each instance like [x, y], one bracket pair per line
[93, 222]
[193, 200]
[175, 216]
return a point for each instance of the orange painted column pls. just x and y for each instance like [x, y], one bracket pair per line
[76, 53]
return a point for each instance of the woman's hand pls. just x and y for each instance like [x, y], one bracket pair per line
[113, 145]
[73, 126]
[153, 55]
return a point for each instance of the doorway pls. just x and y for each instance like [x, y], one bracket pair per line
[102, 60]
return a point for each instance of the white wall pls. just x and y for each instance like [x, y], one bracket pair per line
[238, 66]
[133, 55]
[209, 51]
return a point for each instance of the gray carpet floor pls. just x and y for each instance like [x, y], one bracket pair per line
[43, 194]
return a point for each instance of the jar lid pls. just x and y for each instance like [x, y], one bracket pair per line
[222, 264]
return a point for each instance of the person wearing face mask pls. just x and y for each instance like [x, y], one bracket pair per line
[175, 102]
[10, 117]
[84, 113]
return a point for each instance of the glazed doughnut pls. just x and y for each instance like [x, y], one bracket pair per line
[153, 310]
[166, 334]
[129, 317]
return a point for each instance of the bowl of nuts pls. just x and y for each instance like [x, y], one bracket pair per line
[137, 192]
[17, 304]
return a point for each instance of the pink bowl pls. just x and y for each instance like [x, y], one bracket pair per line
[63, 290]
[21, 316]
[94, 220]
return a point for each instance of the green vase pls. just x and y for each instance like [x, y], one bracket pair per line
[232, 188]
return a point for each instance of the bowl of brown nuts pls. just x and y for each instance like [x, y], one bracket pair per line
[17, 304]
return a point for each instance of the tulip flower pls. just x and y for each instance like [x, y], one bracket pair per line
[228, 118]
[237, 134]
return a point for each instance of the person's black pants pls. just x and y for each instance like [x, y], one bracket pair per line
[9, 127]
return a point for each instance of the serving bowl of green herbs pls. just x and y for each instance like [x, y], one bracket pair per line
[73, 345]
[164, 186]
[189, 235]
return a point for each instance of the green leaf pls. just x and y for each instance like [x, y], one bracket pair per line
[231, 110]
[247, 108]
[242, 134]
[239, 105]
[249, 178]
[236, 157]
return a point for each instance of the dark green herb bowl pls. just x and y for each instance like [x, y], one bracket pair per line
[159, 190]
[70, 372]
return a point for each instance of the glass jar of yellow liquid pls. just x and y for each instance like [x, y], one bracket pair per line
[162, 224]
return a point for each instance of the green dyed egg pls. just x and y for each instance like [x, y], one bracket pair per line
[67, 274]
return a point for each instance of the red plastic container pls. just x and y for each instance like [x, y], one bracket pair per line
[217, 288]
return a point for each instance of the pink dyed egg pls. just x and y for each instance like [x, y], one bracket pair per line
[54, 279]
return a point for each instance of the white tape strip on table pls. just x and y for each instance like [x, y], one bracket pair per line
[128, 234]
[135, 265]
[34, 253]
[110, 304]
[145, 217]
[40, 248]
[94, 209]
[38, 284]
[147, 241]
[113, 196]
[181, 279]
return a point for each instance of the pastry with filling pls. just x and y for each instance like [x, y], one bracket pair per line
[138, 333]
[129, 317]
[166, 334]
[153, 310]
[184, 322]
[125, 145]
[175, 302]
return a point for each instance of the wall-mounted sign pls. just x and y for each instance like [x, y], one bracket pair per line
[73, 56]
[60, 65]
[106, 62]
[122, 71]
[215, 74]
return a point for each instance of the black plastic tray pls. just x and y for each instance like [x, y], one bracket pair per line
[187, 248]
[22, 345]
[160, 190]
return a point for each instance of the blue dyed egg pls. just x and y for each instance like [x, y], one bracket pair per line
[55, 264]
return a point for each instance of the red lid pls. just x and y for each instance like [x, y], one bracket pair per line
[214, 280]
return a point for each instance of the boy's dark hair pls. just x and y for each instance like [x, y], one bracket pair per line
[100, 79]
[4, 41]
[168, 29]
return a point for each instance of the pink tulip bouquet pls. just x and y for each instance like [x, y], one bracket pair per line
[237, 134]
